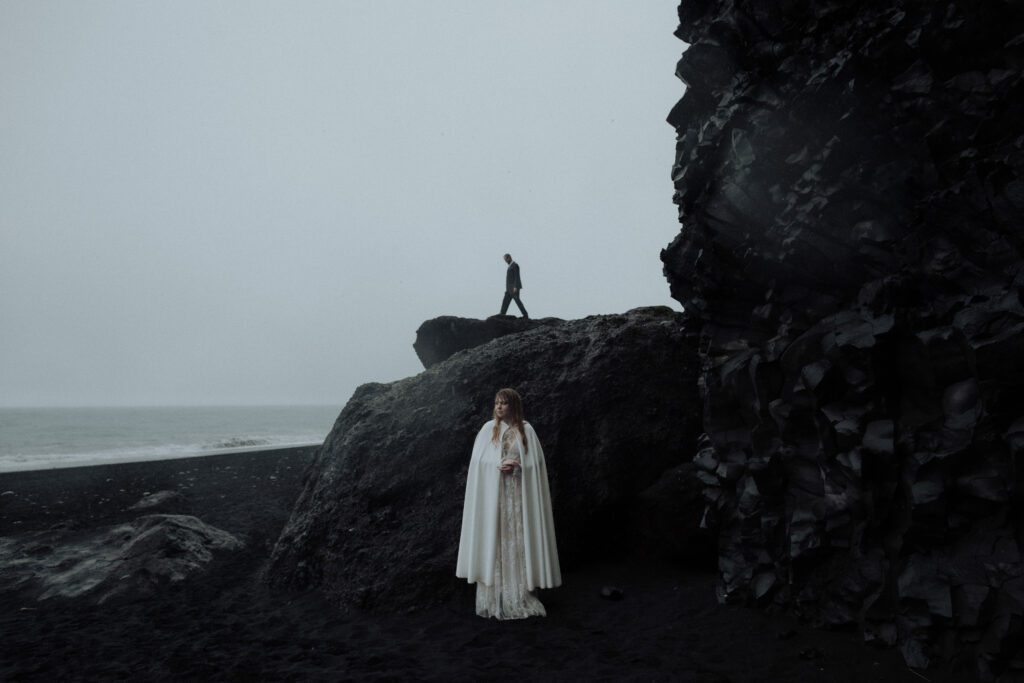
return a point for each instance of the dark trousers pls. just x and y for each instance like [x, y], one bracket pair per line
[509, 296]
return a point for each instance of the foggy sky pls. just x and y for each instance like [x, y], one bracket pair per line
[259, 202]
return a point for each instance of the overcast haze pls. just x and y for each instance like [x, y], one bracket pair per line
[259, 203]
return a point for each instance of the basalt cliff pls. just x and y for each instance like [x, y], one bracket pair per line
[850, 184]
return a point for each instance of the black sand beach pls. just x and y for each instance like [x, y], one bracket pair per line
[230, 626]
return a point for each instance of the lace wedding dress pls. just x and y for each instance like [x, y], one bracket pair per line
[507, 597]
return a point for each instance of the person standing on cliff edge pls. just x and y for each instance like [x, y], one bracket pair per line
[512, 286]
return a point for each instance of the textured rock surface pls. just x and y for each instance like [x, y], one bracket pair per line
[438, 338]
[150, 501]
[850, 183]
[667, 517]
[613, 399]
[125, 561]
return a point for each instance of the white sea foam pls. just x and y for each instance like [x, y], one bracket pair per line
[38, 439]
[25, 462]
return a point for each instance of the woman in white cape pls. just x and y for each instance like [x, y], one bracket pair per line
[507, 547]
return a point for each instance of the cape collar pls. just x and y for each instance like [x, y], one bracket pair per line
[504, 427]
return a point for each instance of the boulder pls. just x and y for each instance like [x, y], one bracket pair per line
[850, 184]
[126, 561]
[439, 338]
[151, 501]
[665, 520]
[613, 399]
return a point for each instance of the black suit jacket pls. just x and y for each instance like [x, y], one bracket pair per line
[512, 280]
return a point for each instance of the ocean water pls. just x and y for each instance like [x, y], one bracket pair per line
[43, 438]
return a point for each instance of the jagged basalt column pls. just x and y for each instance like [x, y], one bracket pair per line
[850, 183]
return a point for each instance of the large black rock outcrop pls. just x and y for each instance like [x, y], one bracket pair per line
[612, 397]
[128, 561]
[850, 183]
[438, 338]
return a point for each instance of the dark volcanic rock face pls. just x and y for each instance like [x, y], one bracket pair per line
[613, 399]
[438, 338]
[850, 183]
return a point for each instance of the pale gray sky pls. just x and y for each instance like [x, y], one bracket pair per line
[259, 202]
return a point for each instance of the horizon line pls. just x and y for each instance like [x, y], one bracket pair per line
[174, 405]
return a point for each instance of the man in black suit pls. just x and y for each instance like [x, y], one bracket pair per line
[512, 286]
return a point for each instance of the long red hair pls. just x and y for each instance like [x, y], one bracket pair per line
[514, 416]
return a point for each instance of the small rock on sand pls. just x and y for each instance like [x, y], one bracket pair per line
[612, 593]
[156, 499]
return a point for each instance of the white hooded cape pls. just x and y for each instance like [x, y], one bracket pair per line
[477, 546]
